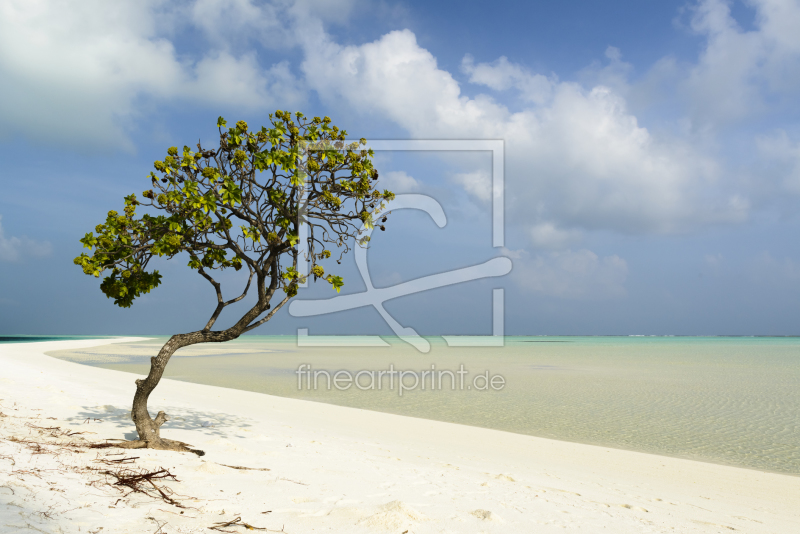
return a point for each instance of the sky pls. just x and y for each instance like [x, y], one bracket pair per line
[651, 154]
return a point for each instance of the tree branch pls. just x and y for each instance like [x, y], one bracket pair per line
[246, 288]
[268, 316]
[220, 303]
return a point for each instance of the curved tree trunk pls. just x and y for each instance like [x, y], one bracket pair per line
[147, 427]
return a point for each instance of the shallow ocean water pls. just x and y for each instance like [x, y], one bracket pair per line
[39, 338]
[728, 400]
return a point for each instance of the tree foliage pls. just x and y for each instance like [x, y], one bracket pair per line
[240, 206]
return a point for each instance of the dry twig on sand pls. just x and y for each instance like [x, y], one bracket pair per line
[238, 523]
[140, 481]
[55, 431]
[160, 525]
[245, 468]
[117, 461]
[54, 441]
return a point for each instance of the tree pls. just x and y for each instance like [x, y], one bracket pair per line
[239, 206]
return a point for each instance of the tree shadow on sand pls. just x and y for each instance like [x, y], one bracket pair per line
[215, 424]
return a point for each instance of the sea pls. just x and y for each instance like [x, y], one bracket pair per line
[726, 400]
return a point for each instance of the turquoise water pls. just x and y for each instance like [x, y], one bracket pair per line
[728, 400]
[38, 338]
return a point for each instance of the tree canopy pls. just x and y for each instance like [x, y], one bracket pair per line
[240, 206]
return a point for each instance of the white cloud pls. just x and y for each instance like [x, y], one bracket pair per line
[503, 75]
[245, 82]
[739, 71]
[274, 24]
[226, 20]
[328, 11]
[613, 73]
[398, 182]
[570, 274]
[74, 72]
[396, 77]
[578, 157]
[547, 235]
[14, 248]
[582, 160]
[477, 183]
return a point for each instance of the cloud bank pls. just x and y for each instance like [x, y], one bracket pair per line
[583, 155]
[15, 248]
[77, 73]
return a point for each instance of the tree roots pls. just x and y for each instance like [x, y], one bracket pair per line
[159, 444]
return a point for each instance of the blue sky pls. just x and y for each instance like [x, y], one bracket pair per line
[652, 153]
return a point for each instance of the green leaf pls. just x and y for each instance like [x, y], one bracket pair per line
[298, 178]
[231, 193]
[290, 274]
[89, 240]
[336, 282]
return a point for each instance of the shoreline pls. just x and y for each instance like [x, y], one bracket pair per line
[688, 402]
[376, 410]
[365, 471]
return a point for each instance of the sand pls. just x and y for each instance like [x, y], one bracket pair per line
[322, 468]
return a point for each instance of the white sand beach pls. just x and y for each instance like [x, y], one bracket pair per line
[322, 468]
